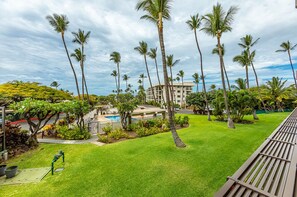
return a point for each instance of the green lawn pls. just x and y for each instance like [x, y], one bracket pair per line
[149, 166]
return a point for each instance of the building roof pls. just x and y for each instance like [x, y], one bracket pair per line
[191, 84]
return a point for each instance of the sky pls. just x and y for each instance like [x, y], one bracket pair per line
[32, 51]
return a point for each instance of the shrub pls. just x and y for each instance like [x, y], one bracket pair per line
[61, 122]
[186, 119]
[118, 134]
[49, 129]
[107, 129]
[73, 133]
[103, 138]
[132, 127]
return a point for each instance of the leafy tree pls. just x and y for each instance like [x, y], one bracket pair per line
[42, 110]
[126, 105]
[55, 84]
[142, 49]
[156, 11]
[194, 24]
[116, 58]
[60, 24]
[287, 47]
[197, 102]
[217, 23]
[18, 91]
[240, 84]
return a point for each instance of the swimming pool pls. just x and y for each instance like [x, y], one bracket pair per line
[113, 118]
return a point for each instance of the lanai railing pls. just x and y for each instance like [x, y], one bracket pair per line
[271, 170]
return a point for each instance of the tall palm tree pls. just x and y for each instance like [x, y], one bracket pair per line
[216, 51]
[156, 11]
[217, 23]
[116, 58]
[126, 78]
[115, 75]
[244, 61]
[181, 74]
[170, 63]
[142, 77]
[287, 47]
[194, 23]
[82, 38]
[196, 80]
[60, 24]
[153, 54]
[142, 49]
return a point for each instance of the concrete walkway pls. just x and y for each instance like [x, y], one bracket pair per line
[92, 140]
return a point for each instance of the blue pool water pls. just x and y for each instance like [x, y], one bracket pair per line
[113, 118]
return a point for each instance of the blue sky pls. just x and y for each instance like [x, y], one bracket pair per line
[31, 50]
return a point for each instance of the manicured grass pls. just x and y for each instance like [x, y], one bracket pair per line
[149, 166]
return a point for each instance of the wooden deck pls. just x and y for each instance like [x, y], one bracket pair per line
[271, 170]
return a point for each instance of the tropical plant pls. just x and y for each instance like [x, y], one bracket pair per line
[170, 63]
[181, 74]
[287, 47]
[196, 80]
[216, 51]
[240, 84]
[142, 49]
[126, 78]
[115, 75]
[217, 23]
[153, 54]
[244, 61]
[156, 11]
[82, 38]
[55, 84]
[116, 58]
[141, 78]
[60, 24]
[194, 24]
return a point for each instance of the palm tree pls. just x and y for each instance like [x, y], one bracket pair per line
[217, 23]
[170, 64]
[216, 51]
[60, 24]
[142, 77]
[153, 54]
[142, 49]
[116, 58]
[240, 84]
[81, 38]
[115, 75]
[194, 23]
[181, 74]
[55, 84]
[126, 78]
[156, 11]
[196, 80]
[244, 61]
[287, 47]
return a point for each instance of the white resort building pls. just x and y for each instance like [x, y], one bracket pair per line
[179, 90]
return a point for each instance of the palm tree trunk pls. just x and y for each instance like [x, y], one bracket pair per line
[182, 99]
[116, 82]
[71, 65]
[157, 70]
[149, 78]
[230, 121]
[292, 68]
[82, 73]
[87, 92]
[119, 76]
[172, 91]
[257, 82]
[196, 87]
[202, 74]
[247, 77]
[227, 78]
[178, 142]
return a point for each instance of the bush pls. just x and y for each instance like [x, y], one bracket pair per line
[186, 119]
[103, 138]
[132, 127]
[118, 134]
[72, 134]
[49, 129]
[107, 129]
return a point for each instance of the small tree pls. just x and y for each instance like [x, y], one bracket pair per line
[42, 110]
[126, 105]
